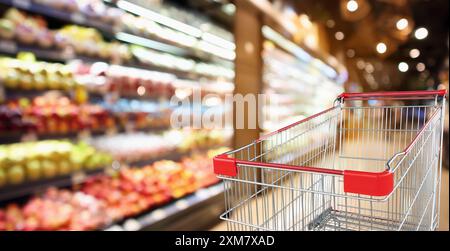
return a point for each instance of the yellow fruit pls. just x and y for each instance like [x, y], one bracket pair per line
[2, 178]
[16, 175]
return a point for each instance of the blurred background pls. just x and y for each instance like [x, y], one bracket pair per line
[85, 86]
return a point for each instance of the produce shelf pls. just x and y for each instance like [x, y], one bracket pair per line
[75, 17]
[34, 187]
[196, 211]
[14, 137]
[11, 47]
[110, 31]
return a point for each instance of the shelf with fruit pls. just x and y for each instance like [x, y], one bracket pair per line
[149, 57]
[31, 161]
[73, 40]
[110, 21]
[26, 74]
[198, 42]
[139, 149]
[112, 198]
[87, 13]
[52, 116]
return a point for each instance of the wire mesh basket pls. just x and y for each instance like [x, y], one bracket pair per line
[371, 162]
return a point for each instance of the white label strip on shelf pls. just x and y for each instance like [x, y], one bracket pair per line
[8, 46]
[132, 225]
[181, 204]
[115, 228]
[78, 177]
[77, 17]
[24, 4]
[158, 214]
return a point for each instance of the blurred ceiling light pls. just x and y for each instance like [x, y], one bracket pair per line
[402, 24]
[229, 9]
[158, 18]
[141, 90]
[304, 20]
[369, 68]
[360, 64]
[352, 6]
[330, 23]
[381, 48]
[420, 67]
[339, 35]
[350, 53]
[311, 41]
[414, 53]
[290, 12]
[421, 33]
[403, 67]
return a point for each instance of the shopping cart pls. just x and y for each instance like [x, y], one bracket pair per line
[371, 162]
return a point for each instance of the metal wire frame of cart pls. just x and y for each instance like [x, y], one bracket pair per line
[302, 177]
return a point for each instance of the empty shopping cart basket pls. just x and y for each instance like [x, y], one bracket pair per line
[371, 162]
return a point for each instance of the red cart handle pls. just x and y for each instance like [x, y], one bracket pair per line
[397, 94]
[373, 184]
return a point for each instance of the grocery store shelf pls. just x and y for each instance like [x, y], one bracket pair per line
[194, 212]
[21, 190]
[110, 31]
[34, 187]
[174, 155]
[75, 17]
[14, 137]
[9, 47]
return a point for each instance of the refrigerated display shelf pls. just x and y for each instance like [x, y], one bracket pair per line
[10, 47]
[111, 32]
[196, 211]
[10, 192]
[69, 17]
[175, 155]
[14, 137]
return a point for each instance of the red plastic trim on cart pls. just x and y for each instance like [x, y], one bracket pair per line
[373, 184]
[399, 94]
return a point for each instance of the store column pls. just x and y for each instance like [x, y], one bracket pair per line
[248, 37]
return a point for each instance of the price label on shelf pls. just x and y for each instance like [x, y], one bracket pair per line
[78, 178]
[84, 135]
[181, 204]
[132, 225]
[77, 18]
[158, 214]
[111, 131]
[29, 137]
[8, 46]
[23, 4]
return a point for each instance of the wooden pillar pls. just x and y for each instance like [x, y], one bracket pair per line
[248, 65]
